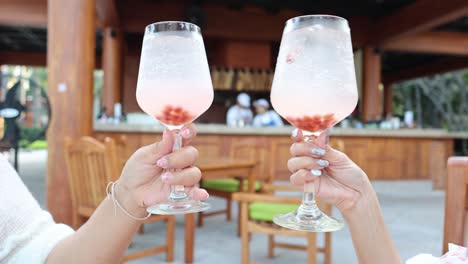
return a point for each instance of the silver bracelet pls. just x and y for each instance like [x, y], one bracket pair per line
[111, 194]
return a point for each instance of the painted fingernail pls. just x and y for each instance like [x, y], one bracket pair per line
[167, 177]
[203, 194]
[316, 172]
[294, 132]
[318, 151]
[162, 162]
[323, 163]
[186, 133]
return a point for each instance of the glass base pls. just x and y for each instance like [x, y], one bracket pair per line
[182, 207]
[317, 223]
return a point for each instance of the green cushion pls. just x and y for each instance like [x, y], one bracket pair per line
[266, 211]
[227, 185]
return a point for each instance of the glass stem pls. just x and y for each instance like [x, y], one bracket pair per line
[308, 207]
[177, 191]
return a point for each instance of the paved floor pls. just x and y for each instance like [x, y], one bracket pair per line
[413, 213]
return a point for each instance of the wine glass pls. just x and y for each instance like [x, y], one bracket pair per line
[314, 87]
[174, 86]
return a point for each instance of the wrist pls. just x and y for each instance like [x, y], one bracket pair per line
[366, 202]
[128, 202]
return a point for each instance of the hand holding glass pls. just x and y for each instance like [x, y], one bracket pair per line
[174, 86]
[314, 88]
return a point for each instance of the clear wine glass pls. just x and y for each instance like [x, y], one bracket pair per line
[174, 86]
[314, 87]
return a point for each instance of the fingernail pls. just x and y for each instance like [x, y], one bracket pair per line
[167, 177]
[186, 133]
[204, 194]
[294, 132]
[318, 151]
[323, 163]
[162, 162]
[316, 172]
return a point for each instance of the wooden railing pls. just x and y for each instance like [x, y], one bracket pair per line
[456, 201]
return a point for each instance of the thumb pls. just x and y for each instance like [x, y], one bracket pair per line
[164, 146]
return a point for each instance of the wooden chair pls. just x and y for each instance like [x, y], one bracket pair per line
[258, 210]
[224, 188]
[456, 202]
[91, 166]
[255, 222]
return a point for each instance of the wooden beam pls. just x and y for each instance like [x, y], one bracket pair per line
[107, 14]
[371, 94]
[70, 62]
[23, 13]
[112, 60]
[420, 16]
[455, 43]
[29, 58]
[442, 66]
[220, 21]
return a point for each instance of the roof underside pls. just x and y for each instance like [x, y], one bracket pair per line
[35, 39]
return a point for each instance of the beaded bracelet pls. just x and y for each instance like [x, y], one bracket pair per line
[111, 194]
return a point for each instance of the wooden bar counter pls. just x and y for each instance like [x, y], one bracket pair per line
[382, 154]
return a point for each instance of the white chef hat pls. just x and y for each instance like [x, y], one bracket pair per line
[262, 102]
[243, 99]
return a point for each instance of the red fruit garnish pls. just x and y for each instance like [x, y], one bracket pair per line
[313, 123]
[175, 115]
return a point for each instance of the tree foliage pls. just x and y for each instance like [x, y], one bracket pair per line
[439, 101]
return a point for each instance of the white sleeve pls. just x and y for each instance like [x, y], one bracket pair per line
[277, 119]
[27, 233]
[232, 116]
[257, 122]
[250, 114]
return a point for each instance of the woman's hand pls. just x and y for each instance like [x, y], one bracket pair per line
[144, 181]
[338, 180]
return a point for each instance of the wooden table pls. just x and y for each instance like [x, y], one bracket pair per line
[222, 168]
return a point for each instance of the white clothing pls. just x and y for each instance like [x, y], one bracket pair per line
[269, 118]
[27, 233]
[236, 114]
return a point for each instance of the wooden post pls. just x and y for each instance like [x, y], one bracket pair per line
[70, 62]
[388, 99]
[112, 67]
[189, 220]
[371, 94]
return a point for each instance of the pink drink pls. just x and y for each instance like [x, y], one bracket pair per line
[174, 84]
[314, 86]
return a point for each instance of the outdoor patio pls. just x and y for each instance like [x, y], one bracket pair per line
[415, 230]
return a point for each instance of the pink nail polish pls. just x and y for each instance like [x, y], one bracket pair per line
[295, 132]
[166, 177]
[162, 162]
[186, 133]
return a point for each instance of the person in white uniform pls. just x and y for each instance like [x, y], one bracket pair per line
[265, 117]
[240, 114]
